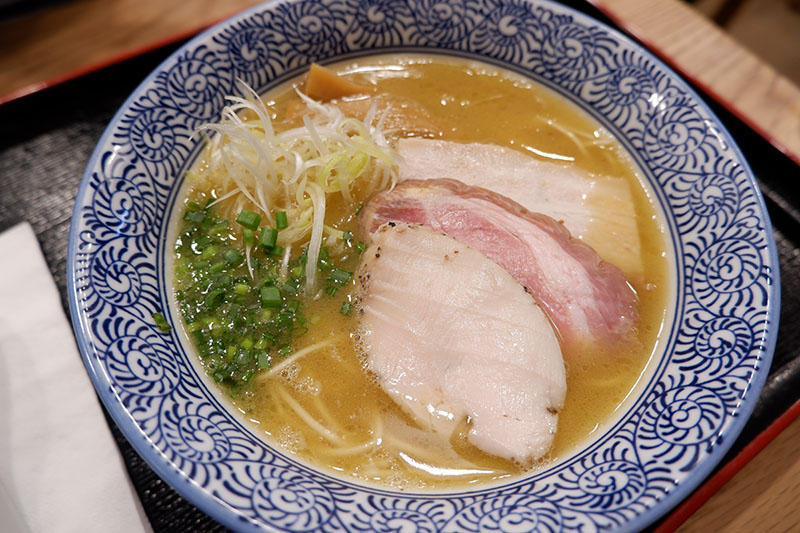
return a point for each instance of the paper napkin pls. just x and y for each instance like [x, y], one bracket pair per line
[60, 469]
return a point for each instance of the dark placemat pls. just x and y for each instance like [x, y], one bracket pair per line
[46, 140]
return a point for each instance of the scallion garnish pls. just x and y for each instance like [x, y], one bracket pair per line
[263, 360]
[339, 276]
[249, 219]
[271, 297]
[291, 286]
[248, 236]
[161, 323]
[268, 237]
[232, 257]
[246, 343]
[285, 350]
[281, 222]
[194, 216]
[218, 267]
[242, 314]
[215, 298]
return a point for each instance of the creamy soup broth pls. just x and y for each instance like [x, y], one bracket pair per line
[325, 408]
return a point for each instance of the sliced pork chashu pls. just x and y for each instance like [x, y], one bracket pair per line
[587, 299]
[599, 210]
[450, 334]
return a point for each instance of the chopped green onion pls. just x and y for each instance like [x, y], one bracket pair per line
[331, 290]
[209, 251]
[360, 207]
[285, 350]
[271, 297]
[216, 268]
[238, 315]
[268, 237]
[198, 266]
[261, 344]
[232, 257]
[194, 216]
[215, 298]
[346, 308]
[161, 323]
[249, 219]
[284, 319]
[347, 236]
[281, 221]
[263, 360]
[218, 228]
[299, 271]
[291, 286]
[361, 246]
[225, 280]
[340, 276]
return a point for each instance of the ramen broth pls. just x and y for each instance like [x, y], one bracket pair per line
[322, 406]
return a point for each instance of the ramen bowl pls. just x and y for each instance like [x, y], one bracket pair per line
[690, 403]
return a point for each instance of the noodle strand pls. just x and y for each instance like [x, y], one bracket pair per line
[324, 432]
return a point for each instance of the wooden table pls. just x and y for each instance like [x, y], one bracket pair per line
[66, 41]
[763, 496]
[76, 37]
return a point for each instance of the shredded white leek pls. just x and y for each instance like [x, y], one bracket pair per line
[295, 170]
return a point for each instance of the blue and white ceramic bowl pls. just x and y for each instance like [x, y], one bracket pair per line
[685, 414]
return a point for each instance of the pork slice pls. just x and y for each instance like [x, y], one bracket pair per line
[598, 210]
[449, 334]
[586, 298]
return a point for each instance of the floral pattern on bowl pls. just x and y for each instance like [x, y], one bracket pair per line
[698, 395]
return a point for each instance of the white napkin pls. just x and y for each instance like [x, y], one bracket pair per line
[60, 469]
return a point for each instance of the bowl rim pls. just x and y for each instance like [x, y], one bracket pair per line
[220, 511]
